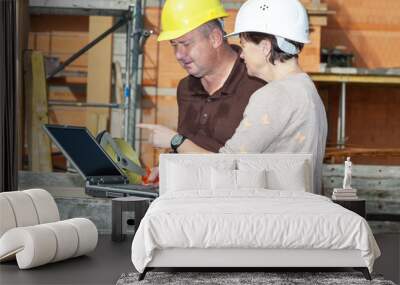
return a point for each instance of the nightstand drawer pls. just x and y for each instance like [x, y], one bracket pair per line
[357, 206]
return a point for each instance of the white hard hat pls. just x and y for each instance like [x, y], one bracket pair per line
[285, 19]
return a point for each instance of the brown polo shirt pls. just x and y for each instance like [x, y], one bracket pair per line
[209, 121]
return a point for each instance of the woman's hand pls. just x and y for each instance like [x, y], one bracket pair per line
[159, 136]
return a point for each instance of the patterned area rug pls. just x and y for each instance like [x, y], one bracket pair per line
[244, 278]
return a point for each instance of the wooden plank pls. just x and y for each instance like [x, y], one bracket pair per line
[386, 227]
[102, 122]
[117, 115]
[38, 141]
[99, 73]
[72, 92]
[318, 20]
[383, 207]
[67, 116]
[51, 23]
[68, 80]
[96, 121]
[363, 171]
[335, 155]
[356, 78]
[390, 184]
[382, 195]
[92, 120]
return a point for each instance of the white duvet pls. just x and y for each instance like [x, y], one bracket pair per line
[253, 218]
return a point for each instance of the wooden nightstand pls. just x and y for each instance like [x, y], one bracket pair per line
[357, 206]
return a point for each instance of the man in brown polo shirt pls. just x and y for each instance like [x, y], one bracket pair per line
[212, 98]
[209, 120]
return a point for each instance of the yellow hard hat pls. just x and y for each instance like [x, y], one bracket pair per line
[182, 16]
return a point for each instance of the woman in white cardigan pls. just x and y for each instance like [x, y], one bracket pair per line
[286, 115]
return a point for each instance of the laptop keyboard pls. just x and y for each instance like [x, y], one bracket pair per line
[133, 186]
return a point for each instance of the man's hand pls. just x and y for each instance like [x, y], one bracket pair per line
[159, 136]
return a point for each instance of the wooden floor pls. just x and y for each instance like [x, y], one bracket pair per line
[111, 259]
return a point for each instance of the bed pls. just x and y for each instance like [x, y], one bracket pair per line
[246, 211]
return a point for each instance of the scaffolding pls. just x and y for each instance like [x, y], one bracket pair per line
[130, 14]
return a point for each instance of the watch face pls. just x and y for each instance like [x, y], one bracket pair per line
[177, 140]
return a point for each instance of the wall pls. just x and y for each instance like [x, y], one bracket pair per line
[370, 29]
[61, 36]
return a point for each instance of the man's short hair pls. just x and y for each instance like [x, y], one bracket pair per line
[208, 27]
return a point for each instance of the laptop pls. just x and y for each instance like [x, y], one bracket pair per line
[102, 175]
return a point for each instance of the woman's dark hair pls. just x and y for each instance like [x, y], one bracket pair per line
[276, 52]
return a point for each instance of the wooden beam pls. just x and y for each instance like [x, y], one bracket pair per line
[99, 74]
[38, 141]
[364, 171]
[356, 78]
[318, 20]
[334, 155]
[117, 115]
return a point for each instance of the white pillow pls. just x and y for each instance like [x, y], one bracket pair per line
[251, 178]
[281, 175]
[223, 179]
[292, 179]
[185, 174]
[188, 177]
[226, 179]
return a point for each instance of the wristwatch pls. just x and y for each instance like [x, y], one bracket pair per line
[176, 141]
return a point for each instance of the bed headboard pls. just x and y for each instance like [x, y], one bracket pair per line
[283, 162]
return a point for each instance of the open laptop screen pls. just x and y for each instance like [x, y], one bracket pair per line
[81, 148]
